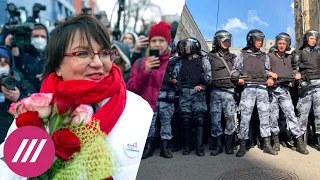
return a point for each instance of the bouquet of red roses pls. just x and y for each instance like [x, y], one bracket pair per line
[81, 148]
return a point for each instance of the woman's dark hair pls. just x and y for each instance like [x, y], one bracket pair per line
[89, 28]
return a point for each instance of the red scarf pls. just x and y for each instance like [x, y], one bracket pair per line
[90, 92]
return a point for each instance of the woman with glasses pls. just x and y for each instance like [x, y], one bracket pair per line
[80, 65]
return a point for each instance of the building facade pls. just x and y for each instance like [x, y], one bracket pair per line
[307, 16]
[188, 28]
[80, 4]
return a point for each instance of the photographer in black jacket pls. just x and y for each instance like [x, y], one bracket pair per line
[13, 89]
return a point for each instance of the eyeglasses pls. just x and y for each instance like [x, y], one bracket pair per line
[103, 54]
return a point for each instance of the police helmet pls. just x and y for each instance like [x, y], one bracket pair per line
[178, 48]
[309, 33]
[286, 37]
[253, 35]
[219, 37]
[193, 43]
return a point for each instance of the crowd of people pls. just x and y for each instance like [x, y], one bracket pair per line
[26, 63]
[239, 101]
[250, 98]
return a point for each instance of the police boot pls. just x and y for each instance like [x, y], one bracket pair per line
[276, 143]
[300, 146]
[164, 149]
[217, 146]
[211, 144]
[148, 150]
[177, 144]
[229, 148]
[186, 139]
[186, 148]
[199, 140]
[318, 142]
[243, 148]
[267, 148]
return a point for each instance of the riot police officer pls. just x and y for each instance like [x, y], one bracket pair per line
[222, 92]
[281, 65]
[193, 73]
[255, 65]
[307, 62]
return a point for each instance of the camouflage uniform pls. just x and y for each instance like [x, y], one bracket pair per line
[310, 96]
[192, 104]
[191, 101]
[222, 99]
[281, 97]
[165, 111]
[222, 93]
[253, 93]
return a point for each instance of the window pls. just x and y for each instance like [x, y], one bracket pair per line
[60, 7]
[66, 12]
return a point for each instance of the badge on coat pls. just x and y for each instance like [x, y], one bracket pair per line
[131, 148]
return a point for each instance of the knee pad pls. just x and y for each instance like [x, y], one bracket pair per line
[184, 115]
[200, 115]
[199, 121]
[185, 118]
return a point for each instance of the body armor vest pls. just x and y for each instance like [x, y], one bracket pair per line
[281, 66]
[220, 71]
[254, 67]
[190, 73]
[310, 64]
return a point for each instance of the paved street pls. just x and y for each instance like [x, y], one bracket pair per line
[300, 166]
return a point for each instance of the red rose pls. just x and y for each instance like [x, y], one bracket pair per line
[66, 143]
[64, 103]
[29, 118]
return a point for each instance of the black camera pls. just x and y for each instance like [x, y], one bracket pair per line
[21, 34]
[20, 31]
[8, 81]
[38, 7]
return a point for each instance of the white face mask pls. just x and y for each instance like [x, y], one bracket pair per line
[39, 43]
[4, 71]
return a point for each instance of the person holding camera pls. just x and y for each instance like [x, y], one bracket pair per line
[12, 89]
[147, 73]
[31, 59]
[140, 47]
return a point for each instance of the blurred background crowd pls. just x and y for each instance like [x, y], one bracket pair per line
[25, 29]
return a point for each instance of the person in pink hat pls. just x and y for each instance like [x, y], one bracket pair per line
[146, 79]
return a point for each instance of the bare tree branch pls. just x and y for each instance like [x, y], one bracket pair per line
[114, 8]
[136, 10]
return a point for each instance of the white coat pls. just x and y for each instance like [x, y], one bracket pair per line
[127, 138]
